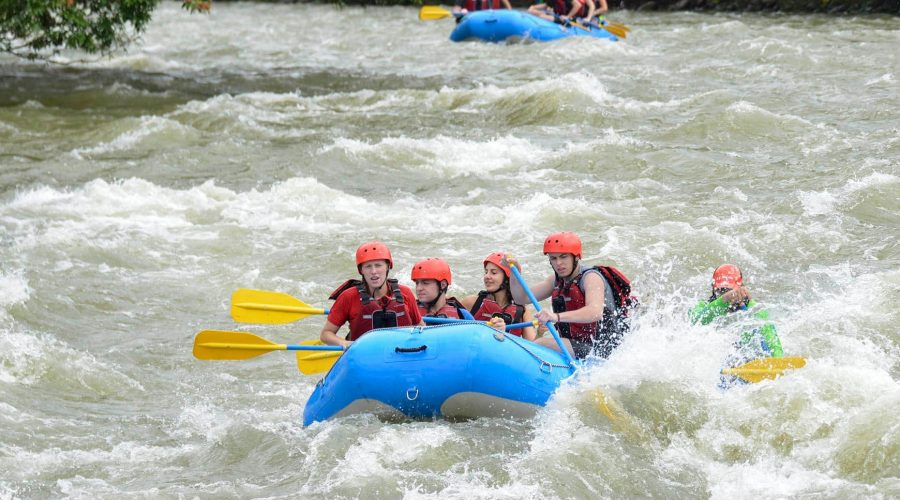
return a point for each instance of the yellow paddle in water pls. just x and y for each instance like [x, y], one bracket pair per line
[619, 26]
[615, 30]
[431, 12]
[619, 30]
[765, 368]
[222, 345]
[271, 308]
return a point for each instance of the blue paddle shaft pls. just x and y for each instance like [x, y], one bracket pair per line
[442, 321]
[297, 347]
[537, 307]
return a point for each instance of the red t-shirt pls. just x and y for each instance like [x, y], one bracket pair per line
[349, 305]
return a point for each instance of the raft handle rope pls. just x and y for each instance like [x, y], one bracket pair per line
[544, 363]
[411, 349]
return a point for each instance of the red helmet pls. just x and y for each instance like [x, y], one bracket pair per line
[496, 258]
[564, 242]
[373, 250]
[727, 276]
[432, 269]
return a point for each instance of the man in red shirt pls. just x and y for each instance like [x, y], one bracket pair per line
[373, 302]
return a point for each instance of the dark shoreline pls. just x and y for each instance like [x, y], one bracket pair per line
[785, 6]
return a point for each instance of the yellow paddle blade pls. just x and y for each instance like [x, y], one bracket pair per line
[431, 12]
[222, 345]
[620, 26]
[616, 31]
[603, 406]
[316, 362]
[618, 419]
[765, 368]
[272, 308]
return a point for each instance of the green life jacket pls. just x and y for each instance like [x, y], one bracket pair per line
[707, 311]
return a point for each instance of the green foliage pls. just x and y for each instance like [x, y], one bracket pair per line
[39, 28]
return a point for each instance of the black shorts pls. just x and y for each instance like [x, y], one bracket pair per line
[598, 347]
[582, 349]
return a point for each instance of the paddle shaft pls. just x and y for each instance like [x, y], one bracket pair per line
[537, 307]
[231, 346]
[281, 308]
[270, 347]
[443, 321]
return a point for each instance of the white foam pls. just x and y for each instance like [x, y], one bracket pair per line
[149, 131]
[202, 420]
[579, 82]
[389, 449]
[885, 78]
[828, 201]
[58, 217]
[450, 157]
[747, 108]
[29, 359]
[13, 289]
[52, 460]
[767, 479]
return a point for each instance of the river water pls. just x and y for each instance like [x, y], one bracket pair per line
[258, 146]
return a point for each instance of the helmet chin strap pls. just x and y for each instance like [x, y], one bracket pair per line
[431, 304]
[379, 287]
[508, 295]
[574, 269]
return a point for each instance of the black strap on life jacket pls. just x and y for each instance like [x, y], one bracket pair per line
[520, 309]
[392, 284]
[382, 318]
[364, 293]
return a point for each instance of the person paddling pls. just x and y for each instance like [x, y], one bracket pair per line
[561, 11]
[376, 301]
[731, 298]
[496, 300]
[590, 303]
[596, 17]
[463, 7]
[432, 277]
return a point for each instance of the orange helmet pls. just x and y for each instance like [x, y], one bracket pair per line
[432, 269]
[727, 276]
[373, 250]
[496, 258]
[564, 242]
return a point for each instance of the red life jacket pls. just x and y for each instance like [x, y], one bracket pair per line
[473, 5]
[562, 7]
[485, 307]
[450, 309]
[607, 333]
[386, 312]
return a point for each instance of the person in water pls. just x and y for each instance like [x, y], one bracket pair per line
[562, 11]
[376, 301]
[432, 277]
[496, 300]
[588, 315]
[730, 298]
[463, 7]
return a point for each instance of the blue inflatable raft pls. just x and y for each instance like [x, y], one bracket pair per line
[511, 25]
[461, 370]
